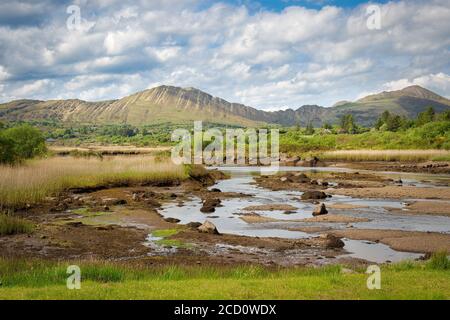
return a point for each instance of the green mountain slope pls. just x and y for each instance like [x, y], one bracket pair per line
[178, 105]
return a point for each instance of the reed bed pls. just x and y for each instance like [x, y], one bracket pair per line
[108, 149]
[14, 225]
[37, 179]
[386, 155]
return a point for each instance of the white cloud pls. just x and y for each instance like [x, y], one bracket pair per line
[32, 88]
[3, 74]
[439, 82]
[119, 41]
[163, 54]
[265, 58]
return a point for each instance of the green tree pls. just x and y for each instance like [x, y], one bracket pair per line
[28, 141]
[445, 116]
[394, 123]
[309, 129]
[348, 123]
[328, 126]
[7, 154]
[382, 119]
[426, 117]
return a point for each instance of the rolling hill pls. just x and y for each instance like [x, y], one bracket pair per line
[178, 105]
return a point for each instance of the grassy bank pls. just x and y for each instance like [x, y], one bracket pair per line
[13, 225]
[435, 135]
[37, 179]
[385, 155]
[46, 280]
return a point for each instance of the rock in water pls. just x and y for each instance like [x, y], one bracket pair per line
[323, 183]
[208, 227]
[193, 225]
[320, 210]
[209, 205]
[332, 241]
[298, 178]
[311, 195]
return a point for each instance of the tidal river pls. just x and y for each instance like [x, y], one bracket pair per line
[375, 212]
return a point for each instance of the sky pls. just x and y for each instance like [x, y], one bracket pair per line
[266, 54]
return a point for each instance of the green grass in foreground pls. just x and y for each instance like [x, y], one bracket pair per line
[46, 280]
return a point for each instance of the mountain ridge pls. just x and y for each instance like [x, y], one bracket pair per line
[174, 104]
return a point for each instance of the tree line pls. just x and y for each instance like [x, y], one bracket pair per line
[386, 122]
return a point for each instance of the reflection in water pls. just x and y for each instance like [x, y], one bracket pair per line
[226, 217]
[376, 252]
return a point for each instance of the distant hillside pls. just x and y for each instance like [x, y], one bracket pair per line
[178, 105]
[157, 105]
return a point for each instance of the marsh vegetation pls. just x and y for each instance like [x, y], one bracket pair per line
[33, 181]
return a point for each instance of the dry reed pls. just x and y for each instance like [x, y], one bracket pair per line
[385, 155]
[37, 179]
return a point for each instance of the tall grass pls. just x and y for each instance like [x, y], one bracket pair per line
[38, 179]
[35, 273]
[13, 225]
[385, 155]
[439, 261]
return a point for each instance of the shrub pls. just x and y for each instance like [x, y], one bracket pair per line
[19, 143]
[7, 154]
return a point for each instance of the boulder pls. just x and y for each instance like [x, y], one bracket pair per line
[323, 183]
[298, 178]
[193, 225]
[172, 220]
[113, 201]
[105, 228]
[59, 207]
[332, 241]
[75, 224]
[291, 161]
[208, 227]
[209, 205]
[320, 210]
[311, 162]
[312, 195]
[153, 203]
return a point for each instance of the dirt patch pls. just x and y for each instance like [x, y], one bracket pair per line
[395, 192]
[320, 181]
[256, 218]
[334, 218]
[331, 218]
[76, 241]
[271, 207]
[434, 208]
[420, 242]
[344, 206]
[425, 167]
